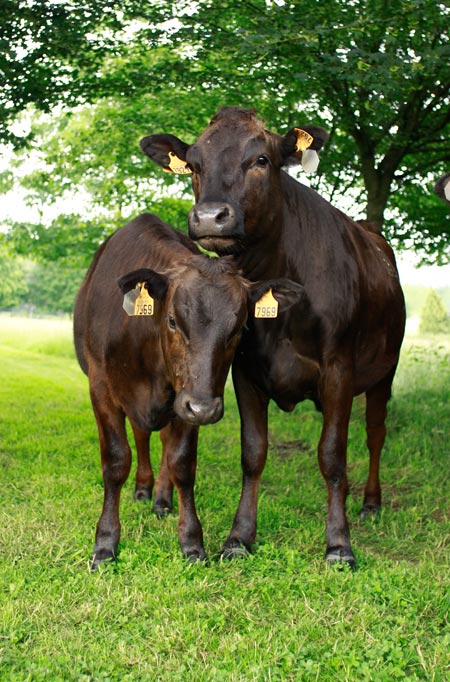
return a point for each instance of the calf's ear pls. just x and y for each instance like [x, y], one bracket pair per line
[300, 146]
[155, 283]
[285, 291]
[167, 151]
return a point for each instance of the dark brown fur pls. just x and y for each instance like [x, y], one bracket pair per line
[166, 371]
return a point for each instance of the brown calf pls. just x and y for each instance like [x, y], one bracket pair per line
[164, 367]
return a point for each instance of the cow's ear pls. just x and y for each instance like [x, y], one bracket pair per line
[155, 283]
[167, 151]
[300, 146]
[442, 188]
[274, 296]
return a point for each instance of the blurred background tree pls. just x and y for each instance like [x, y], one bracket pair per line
[434, 318]
[375, 73]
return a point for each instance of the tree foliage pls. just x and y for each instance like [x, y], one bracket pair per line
[375, 73]
[12, 278]
[50, 51]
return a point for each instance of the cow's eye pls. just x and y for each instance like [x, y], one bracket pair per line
[262, 161]
[171, 322]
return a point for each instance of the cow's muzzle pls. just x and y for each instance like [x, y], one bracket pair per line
[215, 219]
[198, 412]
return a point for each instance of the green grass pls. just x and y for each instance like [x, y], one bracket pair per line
[281, 614]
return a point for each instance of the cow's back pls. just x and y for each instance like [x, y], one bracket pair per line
[100, 324]
[348, 271]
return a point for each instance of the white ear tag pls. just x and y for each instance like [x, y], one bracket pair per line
[138, 301]
[447, 190]
[310, 160]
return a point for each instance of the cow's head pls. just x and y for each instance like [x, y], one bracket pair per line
[442, 188]
[235, 166]
[202, 310]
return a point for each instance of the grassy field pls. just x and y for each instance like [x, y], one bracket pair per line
[281, 614]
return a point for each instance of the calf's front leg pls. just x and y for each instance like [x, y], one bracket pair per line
[116, 462]
[180, 446]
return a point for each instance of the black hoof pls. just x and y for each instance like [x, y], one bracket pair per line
[142, 494]
[369, 510]
[101, 557]
[162, 509]
[235, 551]
[341, 555]
[196, 557]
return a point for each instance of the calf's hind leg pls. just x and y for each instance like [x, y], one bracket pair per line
[144, 473]
[376, 411]
[116, 463]
[163, 503]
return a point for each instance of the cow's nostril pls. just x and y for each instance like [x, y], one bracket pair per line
[223, 215]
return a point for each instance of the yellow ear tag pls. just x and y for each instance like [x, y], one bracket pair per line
[176, 165]
[304, 140]
[267, 306]
[138, 302]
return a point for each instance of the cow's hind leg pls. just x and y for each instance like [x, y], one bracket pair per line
[376, 411]
[116, 462]
[144, 473]
[163, 503]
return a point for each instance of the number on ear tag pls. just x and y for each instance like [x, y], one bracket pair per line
[267, 306]
[177, 165]
[304, 140]
[138, 302]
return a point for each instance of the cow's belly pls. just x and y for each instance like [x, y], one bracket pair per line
[374, 361]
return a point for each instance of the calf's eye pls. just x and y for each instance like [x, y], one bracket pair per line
[171, 322]
[262, 161]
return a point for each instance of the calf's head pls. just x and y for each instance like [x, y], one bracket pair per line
[201, 311]
[235, 166]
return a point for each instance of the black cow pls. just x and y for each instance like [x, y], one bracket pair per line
[341, 339]
[163, 365]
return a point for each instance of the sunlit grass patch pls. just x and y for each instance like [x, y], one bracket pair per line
[282, 613]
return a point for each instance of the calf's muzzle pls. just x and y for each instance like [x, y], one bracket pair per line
[199, 412]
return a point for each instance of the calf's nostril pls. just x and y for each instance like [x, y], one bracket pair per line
[194, 408]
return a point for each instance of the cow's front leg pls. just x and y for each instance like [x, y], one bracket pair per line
[116, 462]
[336, 398]
[252, 405]
[180, 441]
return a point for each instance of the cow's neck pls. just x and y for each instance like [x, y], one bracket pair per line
[278, 250]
